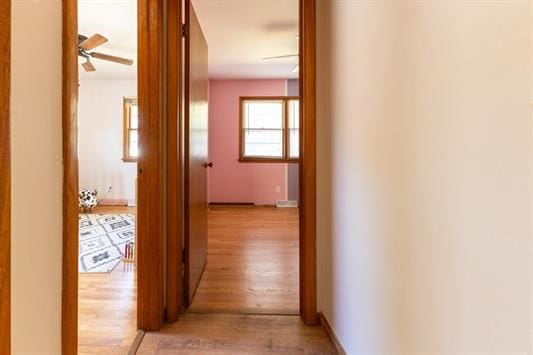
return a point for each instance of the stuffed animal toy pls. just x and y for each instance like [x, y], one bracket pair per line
[87, 200]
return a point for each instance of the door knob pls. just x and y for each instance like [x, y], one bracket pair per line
[208, 164]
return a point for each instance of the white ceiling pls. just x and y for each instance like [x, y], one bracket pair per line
[117, 21]
[239, 33]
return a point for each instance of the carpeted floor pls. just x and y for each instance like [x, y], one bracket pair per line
[102, 238]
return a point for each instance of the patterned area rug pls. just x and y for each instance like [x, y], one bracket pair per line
[102, 240]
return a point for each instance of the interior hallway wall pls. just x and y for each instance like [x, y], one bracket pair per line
[424, 176]
[36, 177]
[229, 179]
[101, 138]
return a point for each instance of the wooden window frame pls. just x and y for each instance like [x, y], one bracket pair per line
[242, 130]
[127, 103]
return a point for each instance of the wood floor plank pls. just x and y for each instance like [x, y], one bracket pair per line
[237, 334]
[107, 304]
[252, 262]
[252, 268]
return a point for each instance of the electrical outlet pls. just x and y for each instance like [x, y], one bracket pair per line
[278, 189]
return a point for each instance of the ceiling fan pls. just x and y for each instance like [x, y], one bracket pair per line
[281, 56]
[85, 44]
[296, 68]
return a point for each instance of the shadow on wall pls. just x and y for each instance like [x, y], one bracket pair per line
[357, 138]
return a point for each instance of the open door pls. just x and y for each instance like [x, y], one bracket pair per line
[196, 159]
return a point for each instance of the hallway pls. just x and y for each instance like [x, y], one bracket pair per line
[237, 334]
[252, 263]
[247, 300]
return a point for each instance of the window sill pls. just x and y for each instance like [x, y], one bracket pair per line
[129, 160]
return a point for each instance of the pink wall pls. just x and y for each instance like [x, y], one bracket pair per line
[230, 180]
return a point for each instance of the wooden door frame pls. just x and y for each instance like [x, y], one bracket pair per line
[69, 294]
[175, 161]
[150, 198]
[5, 173]
[307, 166]
[307, 176]
[151, 166]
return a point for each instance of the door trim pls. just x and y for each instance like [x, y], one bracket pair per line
[174, 160]
[307, 164]
[5, 172]
[69, 296]
[184, 136]
[150, 167]
[150, 268]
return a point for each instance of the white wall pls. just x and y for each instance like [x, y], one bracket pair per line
[37, 177]
[100, 138]
[424, 187]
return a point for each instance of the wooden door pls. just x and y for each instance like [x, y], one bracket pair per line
[196, 159]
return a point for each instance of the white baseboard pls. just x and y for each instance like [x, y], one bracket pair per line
[332, 335]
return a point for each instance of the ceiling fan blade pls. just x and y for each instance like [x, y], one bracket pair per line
[93, 42]
[112, 58]
[88, 66]
[281, 56]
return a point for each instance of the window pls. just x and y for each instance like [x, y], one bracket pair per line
[270, 129]
[131, 130]
[293, 126]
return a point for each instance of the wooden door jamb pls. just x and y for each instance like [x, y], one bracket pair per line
[5, 173]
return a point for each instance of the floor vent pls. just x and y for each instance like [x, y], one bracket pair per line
[286, 203]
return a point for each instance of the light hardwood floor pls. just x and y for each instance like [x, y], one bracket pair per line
[252, 262]
[237, 334]
[113, 209]
[252, 268]
[107, 306]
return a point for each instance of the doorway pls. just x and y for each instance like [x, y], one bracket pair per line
[117, 283]
[157, 291]
[108, 127]
[196, 230]
[241, 139]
